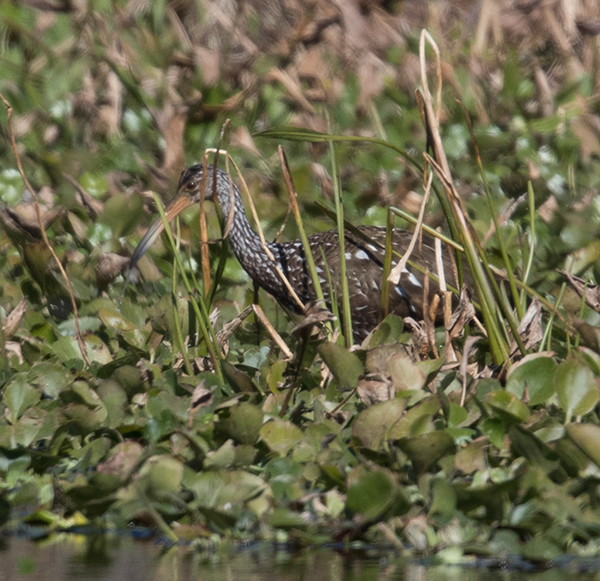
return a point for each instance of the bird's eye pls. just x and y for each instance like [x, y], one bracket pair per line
[191, 185]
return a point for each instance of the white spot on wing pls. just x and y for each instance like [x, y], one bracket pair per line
[413, 279]
[400, 291]
[362, 255]
[348, 256]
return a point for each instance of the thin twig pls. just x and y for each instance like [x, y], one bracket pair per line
[274, 334]
[394, 276]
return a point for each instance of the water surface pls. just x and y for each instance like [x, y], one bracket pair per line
[119, 559]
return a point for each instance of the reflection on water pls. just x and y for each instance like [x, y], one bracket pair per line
[117, 559]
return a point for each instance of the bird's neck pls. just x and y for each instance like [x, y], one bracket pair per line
[245, 242]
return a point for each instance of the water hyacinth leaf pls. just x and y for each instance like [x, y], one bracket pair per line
[541, 549]
[537, 375]
[587, 439]
[577, 388]
[84, 419]
[430, 367]
[164, 474]
[370, 493]
[283, 518]
[244, 423]
[405, 374]
[389, 331]
[238, 379]
[443, 504]
[507, 405]
[133, 356]
[494, 429]
[345, 366]
[19, 395]
[426, 450]
[86, 325]
[82, 392]
[418, 420]
[332, 475]
[91, 454]
[582, 258]
[66, 349]
[536, 451]
[574, 460]
[244, 455]
[372, 426]
[281, 435]
[224, 457]
[379, 358]
[115, 320]
[461, 435]
[115, 401]
[284, 476]
[275, 376]
[129, 378]
[372, 389]
[26, 430]
[51, 378]
[123, 459]
[456, 415]
[224, 490]
[472, 457]
[98, 351]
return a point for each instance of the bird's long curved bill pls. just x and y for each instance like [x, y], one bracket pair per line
[179, 204]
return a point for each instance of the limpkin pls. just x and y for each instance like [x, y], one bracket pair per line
[364, 257]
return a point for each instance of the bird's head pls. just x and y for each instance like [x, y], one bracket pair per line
[193, 181]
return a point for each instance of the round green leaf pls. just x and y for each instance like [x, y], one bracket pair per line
[577, 388]
[372, 425]
[507, 404]
[345, 366]
[20, 395]
[244, 423]
[427, 449]
[164, 475]
[537, 375]
[587, 438]
[405, 374]
[281, 436]
[370, 493]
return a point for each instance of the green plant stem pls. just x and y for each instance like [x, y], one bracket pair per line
[199, 307]
[387, 265]
[547, 339]
[339, 210]
[176, 319]
[532, 237]
[332, 292]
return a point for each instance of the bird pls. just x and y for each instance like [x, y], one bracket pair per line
[364, 254]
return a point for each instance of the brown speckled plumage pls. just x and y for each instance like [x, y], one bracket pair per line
[364, 258]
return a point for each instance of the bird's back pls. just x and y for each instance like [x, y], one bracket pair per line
[364, 269]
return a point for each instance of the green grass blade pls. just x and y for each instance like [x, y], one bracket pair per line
[387, 266]
[339, 210]
[208, 333]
